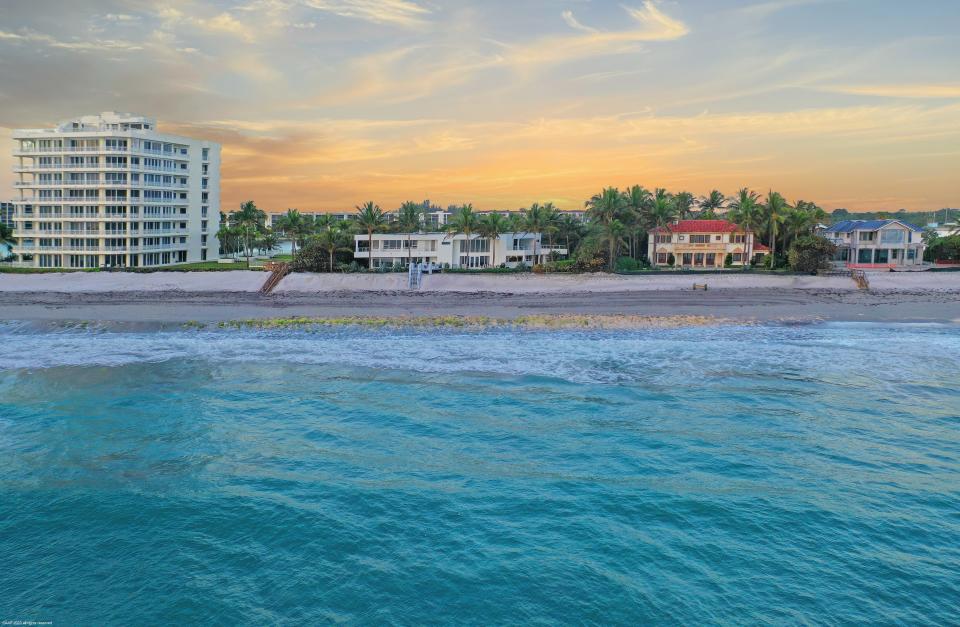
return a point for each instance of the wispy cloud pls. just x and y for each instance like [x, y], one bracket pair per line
[572, 22]
[401, 12]
[764, 9]
[78, 45]
[919, 91]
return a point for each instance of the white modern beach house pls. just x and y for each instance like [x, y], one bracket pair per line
[876, 243]
[455, 251]
[110, 190]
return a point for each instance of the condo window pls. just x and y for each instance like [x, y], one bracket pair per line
[867, 236]
[699, 239]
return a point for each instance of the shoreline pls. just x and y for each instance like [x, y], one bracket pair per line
[746, 305]
[224, 297]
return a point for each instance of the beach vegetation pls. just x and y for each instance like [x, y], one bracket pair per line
[809, 253]
[944, 249]
[250, 221]
[370, 218]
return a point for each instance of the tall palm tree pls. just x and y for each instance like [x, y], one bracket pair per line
[334, 237]
[249, 220]
[536, 220]
[465, 221]
[551, 216]
[492, 226]
[711, 204]
[614, 232]
[745, 212]
[410, 220]
[370, 218]
[774, 208]
[605, 208]
[569, 227]
[663, 211]
[637, 200]
[685, 203]
[293, 224]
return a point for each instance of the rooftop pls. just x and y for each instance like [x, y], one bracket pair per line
[848, 226]
[701, 226]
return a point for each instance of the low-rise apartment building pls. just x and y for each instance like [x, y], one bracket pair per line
[109, 190]
[456, 251]
[876, 243]
[703, 244]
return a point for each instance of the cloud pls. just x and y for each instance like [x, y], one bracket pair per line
[400, 12]
[765, 9]
[77, 45]
[919, 91]
[573, 23]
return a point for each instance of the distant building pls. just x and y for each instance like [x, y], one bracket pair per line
[6, 214]
[945, 230]
[274, 218]
[703, 244]
[109, 190]
[510, 249]
[876, 243]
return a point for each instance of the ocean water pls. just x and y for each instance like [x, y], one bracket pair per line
[777, 474]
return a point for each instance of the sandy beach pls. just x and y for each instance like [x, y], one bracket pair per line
[221, 296]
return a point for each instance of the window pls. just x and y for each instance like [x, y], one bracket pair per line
[737, 257]
[867, 236]
[718, 238]
[664, 239]
[687, 259]
[882, 256]
[911, 254]
[699, 239]
[892, 236]
[698, 259]
[865, 255]
[662, 259]
[737, 238]
[711, 259]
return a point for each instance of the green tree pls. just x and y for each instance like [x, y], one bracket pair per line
[745, 213]
[809, 253]
[410, 220]
[536, 220]
[685, 203]
[250, 221]
[603, 210]
[296, 226]
[6, 235]
[774, 209]
[711, 204]
[492, 226]
[465, 220]
[636, 215]
[569, 228]
[332, 239]
[663, 211]
[370, 218]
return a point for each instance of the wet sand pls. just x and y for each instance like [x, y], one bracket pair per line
[748, 304]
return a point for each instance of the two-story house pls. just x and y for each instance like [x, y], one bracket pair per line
[876, 243]
[702, 244]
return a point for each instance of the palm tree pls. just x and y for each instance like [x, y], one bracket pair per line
[569, 227]
[331, 239]
[605, 208]
[774, 209]
[551, 216]
[249, 220]
[745, 212]
[492, 226]
[663, 211]
[370, 218]
[293, 225]
[467, 222]
[711, 204]
[685, 202]
[410, 219]
[637, 200]
[614, 233]
[536, 220]
[6, 235]
[268, 241]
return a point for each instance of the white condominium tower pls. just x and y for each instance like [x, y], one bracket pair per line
[109, 190]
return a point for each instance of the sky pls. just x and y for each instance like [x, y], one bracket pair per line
[324, 104]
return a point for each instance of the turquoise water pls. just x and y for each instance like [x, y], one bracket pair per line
[718, 475]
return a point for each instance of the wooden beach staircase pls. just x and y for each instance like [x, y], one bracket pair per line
[277, 271]
[860, 278]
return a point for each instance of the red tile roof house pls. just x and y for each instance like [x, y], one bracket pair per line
[703, 244]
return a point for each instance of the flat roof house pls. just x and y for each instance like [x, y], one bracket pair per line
[702, 244]
[876, 243]
[441, 249]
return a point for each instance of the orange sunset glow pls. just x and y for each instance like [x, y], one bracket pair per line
[324, 104]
